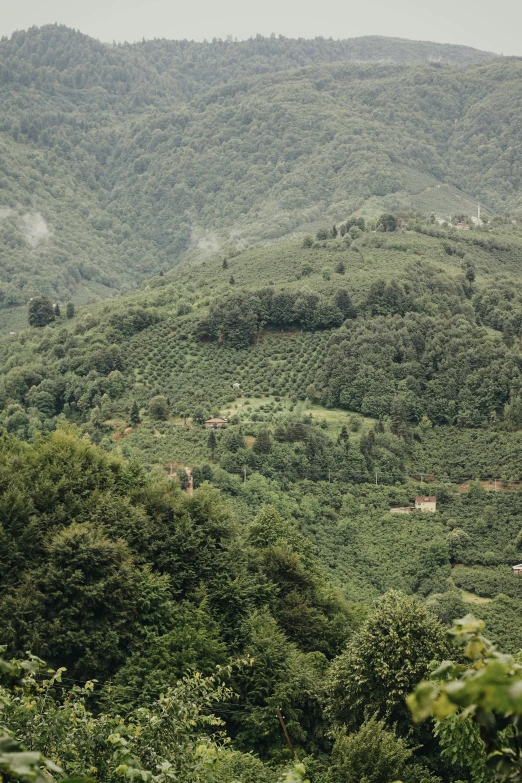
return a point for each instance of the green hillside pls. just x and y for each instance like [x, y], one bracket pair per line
[246, 320]
[407, 340]
[118, 161]
[355, 373]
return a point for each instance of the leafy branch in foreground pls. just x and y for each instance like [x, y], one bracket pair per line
[15, 761]
[175, 738]
[486, 690]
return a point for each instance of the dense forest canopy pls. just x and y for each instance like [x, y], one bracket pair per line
[117, 161]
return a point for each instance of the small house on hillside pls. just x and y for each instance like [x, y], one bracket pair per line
[215, 424]
[426, 503]
[517, 569]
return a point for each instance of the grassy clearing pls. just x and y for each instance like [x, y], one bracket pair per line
[472, 598]
[336, 418]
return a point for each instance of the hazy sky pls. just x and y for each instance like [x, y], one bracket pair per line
[479, 23]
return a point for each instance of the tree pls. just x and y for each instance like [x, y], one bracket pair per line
[225, 264]
[263, 443]
[387, 222]
[508, 334]
[96, 418]
[322, 234]
[69, 310]
[183, 478]
[159, 408]
[232, 280]
[200, 414]
[201, 473]
[135, 417]
[340, 268]
[458, 542]
[383, 661]
[374, 755]
[399, 418]
[344, 302]
[343, 435]
[83, 574]
[269, 528]
[115, 384]
[469, 272]
[212, 442]
[308, 241]
[232, 440]
[57, 311]
[41, 311]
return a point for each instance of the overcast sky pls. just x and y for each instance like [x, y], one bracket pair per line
[479, 23]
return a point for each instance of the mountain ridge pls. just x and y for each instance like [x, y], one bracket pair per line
[126, 169]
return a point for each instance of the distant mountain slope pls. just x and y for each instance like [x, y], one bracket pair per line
[125, 158]
[258, 159]
[185, 68]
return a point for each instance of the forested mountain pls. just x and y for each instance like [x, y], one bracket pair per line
[117, 160]
[355, 370]
[208, 533]
[189, 67]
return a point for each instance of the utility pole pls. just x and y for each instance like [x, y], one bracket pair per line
[288, 740]
[376, 474]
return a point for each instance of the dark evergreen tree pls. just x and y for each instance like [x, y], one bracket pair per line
[508, 334]
[344, 302]
[399, 418]
[41, 311]
[201, 473]
[225, 264]
[69, 310]
[340, 268]
[57, 311]
[263, 443]
[212, 442]
[232, 281]
[135, 417]
[343, 435]
[184, 480]
[470, 272]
